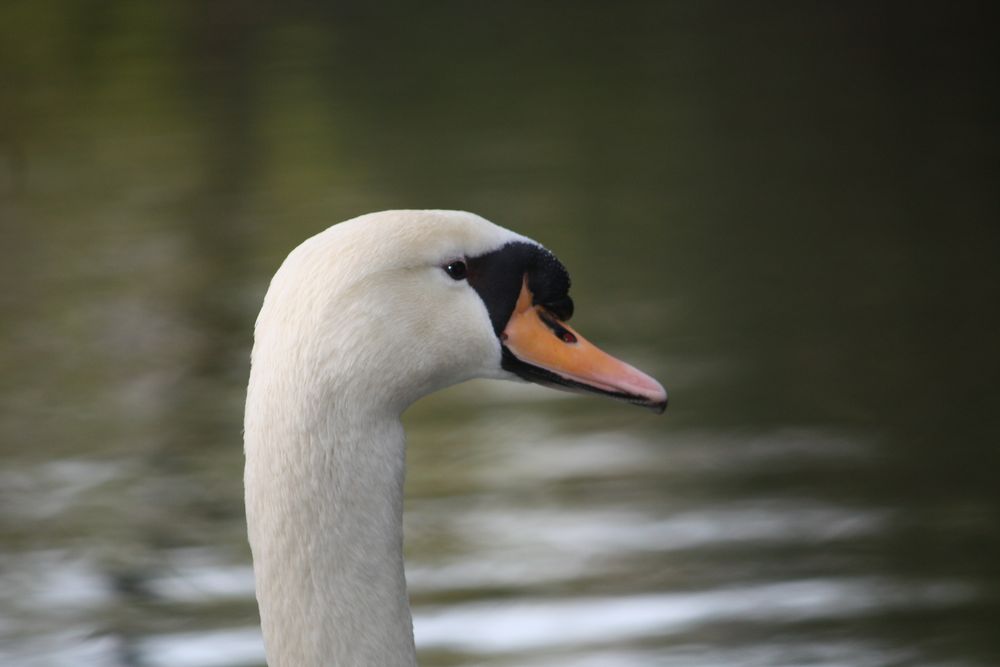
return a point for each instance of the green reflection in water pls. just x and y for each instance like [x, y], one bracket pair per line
[788, 213]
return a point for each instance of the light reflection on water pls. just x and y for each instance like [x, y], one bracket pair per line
[501, 545]
[528, 624]
[524, 626]
[787, 214]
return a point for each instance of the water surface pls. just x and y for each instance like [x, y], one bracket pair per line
[787, 213]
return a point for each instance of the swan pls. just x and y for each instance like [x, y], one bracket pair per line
[359, 322]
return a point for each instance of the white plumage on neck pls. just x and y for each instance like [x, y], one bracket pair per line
[325, 517]
[358, 323]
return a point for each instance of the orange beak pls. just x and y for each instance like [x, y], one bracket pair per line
[549, 352]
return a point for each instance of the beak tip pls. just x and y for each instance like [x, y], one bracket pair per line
[658, 401]
[656, 394]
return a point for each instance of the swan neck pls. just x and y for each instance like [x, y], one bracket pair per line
[324, 496]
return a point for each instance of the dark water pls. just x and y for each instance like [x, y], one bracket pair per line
[788, 212]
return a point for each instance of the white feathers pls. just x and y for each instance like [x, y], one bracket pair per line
[359, 322]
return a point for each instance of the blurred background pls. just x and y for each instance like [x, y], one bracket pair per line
[786, 211]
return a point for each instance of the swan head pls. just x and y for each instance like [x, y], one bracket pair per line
[391, 306]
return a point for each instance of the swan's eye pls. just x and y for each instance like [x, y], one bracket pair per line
[457, 270]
